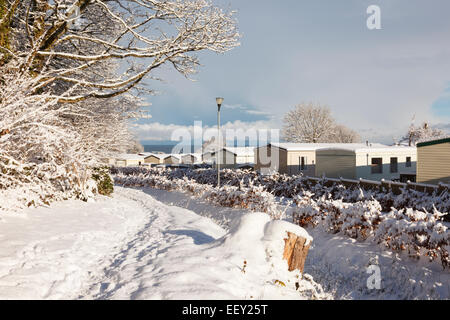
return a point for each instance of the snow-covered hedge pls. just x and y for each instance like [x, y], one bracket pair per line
[253, 198]
[419, 233]
[281, 185]
[356, 213]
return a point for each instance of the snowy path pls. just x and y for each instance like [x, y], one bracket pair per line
[141, 263]
[135, 247]
[48, 253]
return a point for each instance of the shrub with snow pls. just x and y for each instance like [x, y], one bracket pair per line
[254, 198]
[281, 185]
[419, 233]
[105, 184]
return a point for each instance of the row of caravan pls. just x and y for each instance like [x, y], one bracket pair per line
[429, 162]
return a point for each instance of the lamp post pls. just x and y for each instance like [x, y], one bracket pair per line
[219, 104]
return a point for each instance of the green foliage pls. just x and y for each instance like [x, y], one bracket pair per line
[104, 181]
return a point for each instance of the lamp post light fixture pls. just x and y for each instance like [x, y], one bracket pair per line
[219, 104]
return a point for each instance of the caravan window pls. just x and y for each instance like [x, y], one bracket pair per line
[394, 165]
[377, 165]
[302, 163]
[408, 162]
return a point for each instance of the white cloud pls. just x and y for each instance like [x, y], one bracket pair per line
[166, 132]
[233, 106]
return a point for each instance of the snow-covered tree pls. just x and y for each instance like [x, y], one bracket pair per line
[313, 123]
[210, 145]
[70, 71]
[416, 134]
[135, 147]
[308, 123]
[51, 147]
[343, 134]
[66, 42]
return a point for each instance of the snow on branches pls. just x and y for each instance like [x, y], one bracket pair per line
[312, 123]
[69, 43]
[422, 133]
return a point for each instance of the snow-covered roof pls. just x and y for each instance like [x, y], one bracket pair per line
[315, 146]
[156, 155]
[129, 157]
[363, 148]
[196, 155]
[241, 151]
[354, 147]
[174, 155]
[145, 154]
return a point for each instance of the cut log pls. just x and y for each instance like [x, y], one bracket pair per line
[295, 251]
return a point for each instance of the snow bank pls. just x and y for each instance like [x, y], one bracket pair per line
[342, 264]
[248, 260]
[181, 255]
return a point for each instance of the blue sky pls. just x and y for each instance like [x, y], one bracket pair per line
[293, 51]
[441, 107]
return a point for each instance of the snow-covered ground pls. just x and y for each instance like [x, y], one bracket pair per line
[153, 244]
[132, 246]
[49, 252]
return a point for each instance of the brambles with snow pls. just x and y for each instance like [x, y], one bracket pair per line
[419, 233]
[253, 198]
[281, 185]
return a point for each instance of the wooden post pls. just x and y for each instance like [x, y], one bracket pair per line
[295, 251]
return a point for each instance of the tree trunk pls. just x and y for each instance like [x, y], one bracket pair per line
[295, 251]
[5, 17]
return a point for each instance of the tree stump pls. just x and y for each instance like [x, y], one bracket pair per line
[295, 251]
